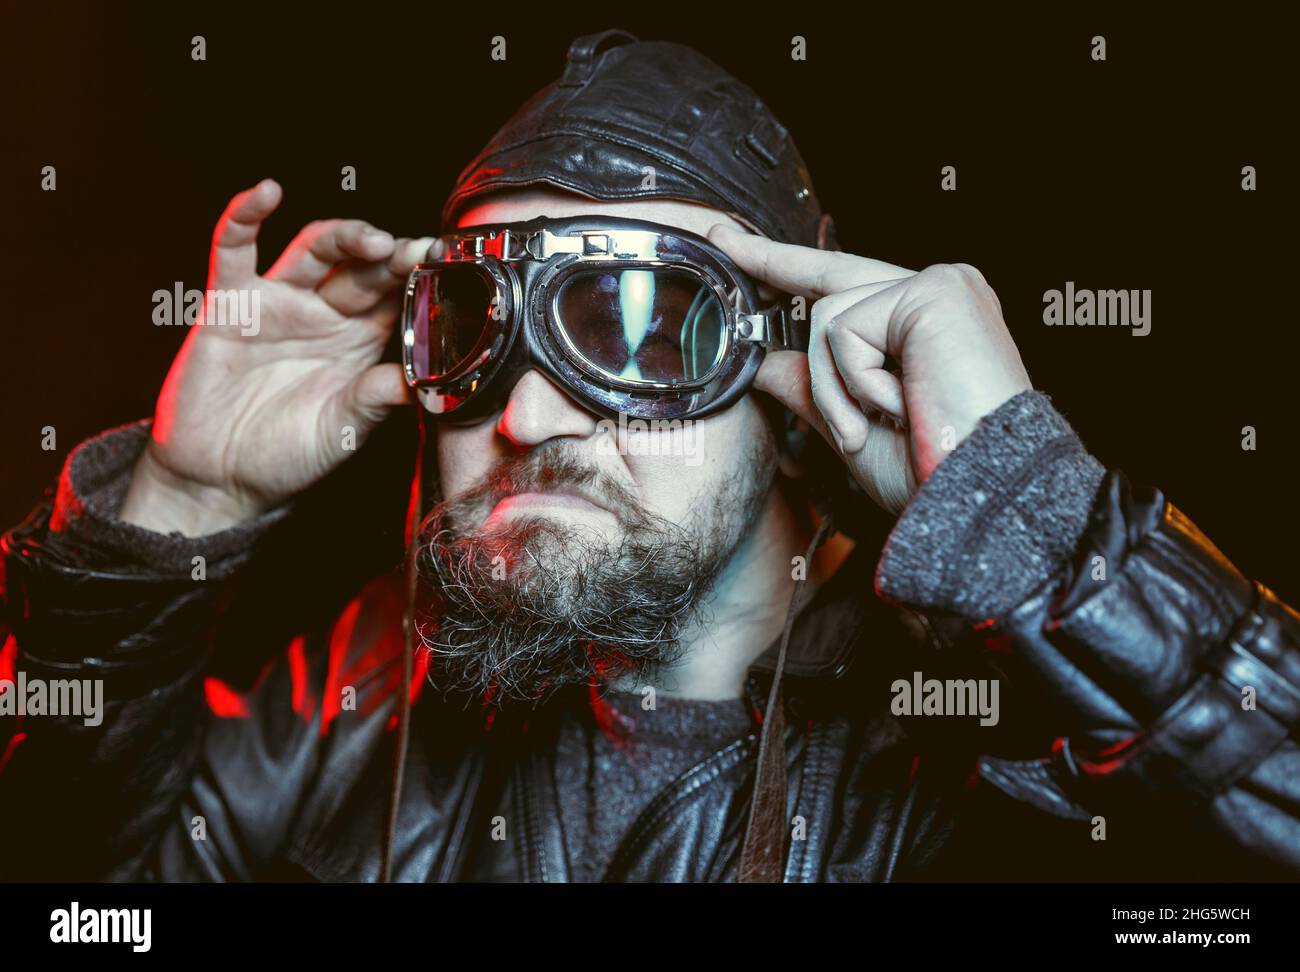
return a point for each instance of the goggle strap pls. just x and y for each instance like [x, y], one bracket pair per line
[777, 328]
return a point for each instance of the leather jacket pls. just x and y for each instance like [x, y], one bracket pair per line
[1123, 719]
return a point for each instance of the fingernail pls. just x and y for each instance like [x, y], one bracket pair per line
[835, 434]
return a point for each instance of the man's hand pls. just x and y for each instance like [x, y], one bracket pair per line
[944, 328]
[246, 420]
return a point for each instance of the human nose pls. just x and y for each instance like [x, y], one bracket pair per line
[537, 410]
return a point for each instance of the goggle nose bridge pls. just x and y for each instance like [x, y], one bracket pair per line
[511, 245]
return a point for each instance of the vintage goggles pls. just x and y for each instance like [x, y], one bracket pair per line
[626, 316]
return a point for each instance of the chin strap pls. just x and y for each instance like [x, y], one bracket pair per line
[410, 644]
[763, 856]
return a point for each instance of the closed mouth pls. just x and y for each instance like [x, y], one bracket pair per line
[559, 498]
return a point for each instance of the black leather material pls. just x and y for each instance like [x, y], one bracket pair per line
[83, 602]
[1182, 712]
[1136, 677]
[622, 107]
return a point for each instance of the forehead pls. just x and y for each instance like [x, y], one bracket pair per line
[518, 205]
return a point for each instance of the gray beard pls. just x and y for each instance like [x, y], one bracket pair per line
[522, 611]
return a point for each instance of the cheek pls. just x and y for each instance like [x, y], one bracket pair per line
[675, 469]
[465, 455]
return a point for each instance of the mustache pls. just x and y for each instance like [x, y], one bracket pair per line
[550, 468]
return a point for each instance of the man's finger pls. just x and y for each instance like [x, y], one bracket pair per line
[314, 252]
[831, 392]
[859, 364]
[234, 242]
[871, 318]
[378, 390]
[787, 377]
[801, 269]
[355, 287]
[847, 346]
[408, 253]
[784, 376]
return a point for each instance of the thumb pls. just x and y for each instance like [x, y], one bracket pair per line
[379, 389]
[784, 375]
[882, 466]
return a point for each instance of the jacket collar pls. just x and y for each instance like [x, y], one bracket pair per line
[829, 627]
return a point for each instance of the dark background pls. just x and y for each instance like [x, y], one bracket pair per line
[1122, 174]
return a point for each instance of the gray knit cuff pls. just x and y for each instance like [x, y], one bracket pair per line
[91, 491]
[996, 518]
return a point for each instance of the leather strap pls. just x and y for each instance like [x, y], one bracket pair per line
[762, 858]
[584, 52]
[795, 330]
[414, 517]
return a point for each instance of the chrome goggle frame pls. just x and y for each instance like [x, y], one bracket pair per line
[528, 263]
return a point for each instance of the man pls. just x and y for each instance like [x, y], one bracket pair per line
[639, 656]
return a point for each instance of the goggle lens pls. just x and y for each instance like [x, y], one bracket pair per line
[452, 310]
[658, 325]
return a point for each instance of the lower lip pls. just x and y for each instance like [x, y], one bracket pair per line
[529, 501]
